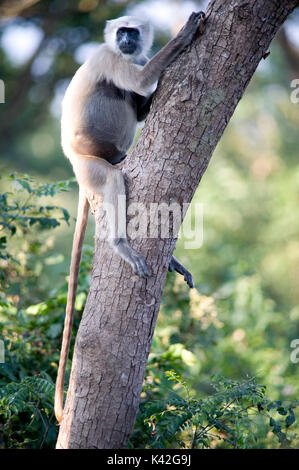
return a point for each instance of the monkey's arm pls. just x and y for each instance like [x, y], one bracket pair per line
[175, 265]
[153, 69]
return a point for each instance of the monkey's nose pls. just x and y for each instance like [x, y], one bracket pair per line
[126, 42]
[127, 46]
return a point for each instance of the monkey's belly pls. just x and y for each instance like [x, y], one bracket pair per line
[108, 120]
[86, 142]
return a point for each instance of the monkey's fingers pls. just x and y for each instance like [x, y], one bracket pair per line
[196, 18]
[189, 279]
[187, 275]
[202, 20]
[140, 267]
[195, 23]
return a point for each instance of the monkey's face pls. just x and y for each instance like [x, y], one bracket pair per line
[128, 40]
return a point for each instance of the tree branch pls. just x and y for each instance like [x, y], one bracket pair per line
[194, 102]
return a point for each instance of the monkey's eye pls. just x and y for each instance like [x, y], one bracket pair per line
[132, 33]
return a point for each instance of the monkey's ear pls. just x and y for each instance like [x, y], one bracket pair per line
[109, 33]
[148, 36]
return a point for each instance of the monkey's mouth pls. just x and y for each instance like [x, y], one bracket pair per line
[127, 48]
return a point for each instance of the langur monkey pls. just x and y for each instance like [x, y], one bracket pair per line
[106, 98]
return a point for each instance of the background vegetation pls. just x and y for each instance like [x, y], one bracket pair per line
[219, 372]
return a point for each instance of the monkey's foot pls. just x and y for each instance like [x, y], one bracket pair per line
[175, 265]
[126, 252]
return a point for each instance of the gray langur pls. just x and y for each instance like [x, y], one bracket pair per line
[106, 98]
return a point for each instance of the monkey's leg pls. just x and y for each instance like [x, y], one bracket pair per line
[98, 176]
[114, 196]
[175, 265]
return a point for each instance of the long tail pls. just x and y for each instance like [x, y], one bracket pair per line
[81, 223]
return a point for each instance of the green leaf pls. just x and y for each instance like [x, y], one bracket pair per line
[37, 309]
[282, 411]
[290, 419]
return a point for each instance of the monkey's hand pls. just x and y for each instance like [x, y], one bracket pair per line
[175, 265]
[194, 24]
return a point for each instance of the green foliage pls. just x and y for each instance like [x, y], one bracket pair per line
[32, 345]
[19, 211]
[31, 330]
[197, 335]
[26, 411]
[20, 217]
[236, 415]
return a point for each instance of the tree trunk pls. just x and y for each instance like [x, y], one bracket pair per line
[197, 96]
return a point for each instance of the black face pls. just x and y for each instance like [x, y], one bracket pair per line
[128, 40]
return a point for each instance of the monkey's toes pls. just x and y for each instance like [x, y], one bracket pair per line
[189, 279]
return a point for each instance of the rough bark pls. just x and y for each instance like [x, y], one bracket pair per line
[195, 100]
